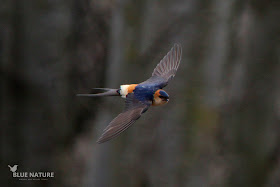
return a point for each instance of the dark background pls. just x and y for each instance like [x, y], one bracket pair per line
[220, 128]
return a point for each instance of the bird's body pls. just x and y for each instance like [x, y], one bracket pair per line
[139, 97]
[143, 92]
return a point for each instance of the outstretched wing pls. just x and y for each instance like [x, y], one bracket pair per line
[167, 67]
[133, 111]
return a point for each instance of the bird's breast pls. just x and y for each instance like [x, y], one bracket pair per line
[158, 101]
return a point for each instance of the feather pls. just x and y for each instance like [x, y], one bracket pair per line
[109, 92]
[133, 111]
[166, 68]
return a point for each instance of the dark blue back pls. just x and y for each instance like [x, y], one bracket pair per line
[145, 92]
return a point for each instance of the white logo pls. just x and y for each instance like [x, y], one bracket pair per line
[30, 175]
[14, 168]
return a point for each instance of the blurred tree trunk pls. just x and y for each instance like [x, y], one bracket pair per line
[220, 128]
[210, 132]
[254, 101]
[45, 46]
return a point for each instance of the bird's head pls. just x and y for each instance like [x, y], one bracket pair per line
[160, 97]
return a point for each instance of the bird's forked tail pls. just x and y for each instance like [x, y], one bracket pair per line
[108, 92]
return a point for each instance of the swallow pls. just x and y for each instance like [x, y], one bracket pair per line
[139, 97]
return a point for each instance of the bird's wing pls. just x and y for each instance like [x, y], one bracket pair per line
[167, 67]
[133, 111]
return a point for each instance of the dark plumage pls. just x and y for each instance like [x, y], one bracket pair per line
[139, 97]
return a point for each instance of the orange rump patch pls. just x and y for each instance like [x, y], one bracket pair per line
[131, 88]
[157, 92]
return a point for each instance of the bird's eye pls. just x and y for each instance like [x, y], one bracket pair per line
[160, 96]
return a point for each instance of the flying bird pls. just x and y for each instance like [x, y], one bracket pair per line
[139, 97]
[14, 168]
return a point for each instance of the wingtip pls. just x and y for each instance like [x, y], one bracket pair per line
[98, 142]
[101, 140]
[178, 45]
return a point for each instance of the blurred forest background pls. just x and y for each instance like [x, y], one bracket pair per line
[220, 128]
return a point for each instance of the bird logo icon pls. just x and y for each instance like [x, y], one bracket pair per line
[13, 169]
[139, 97]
